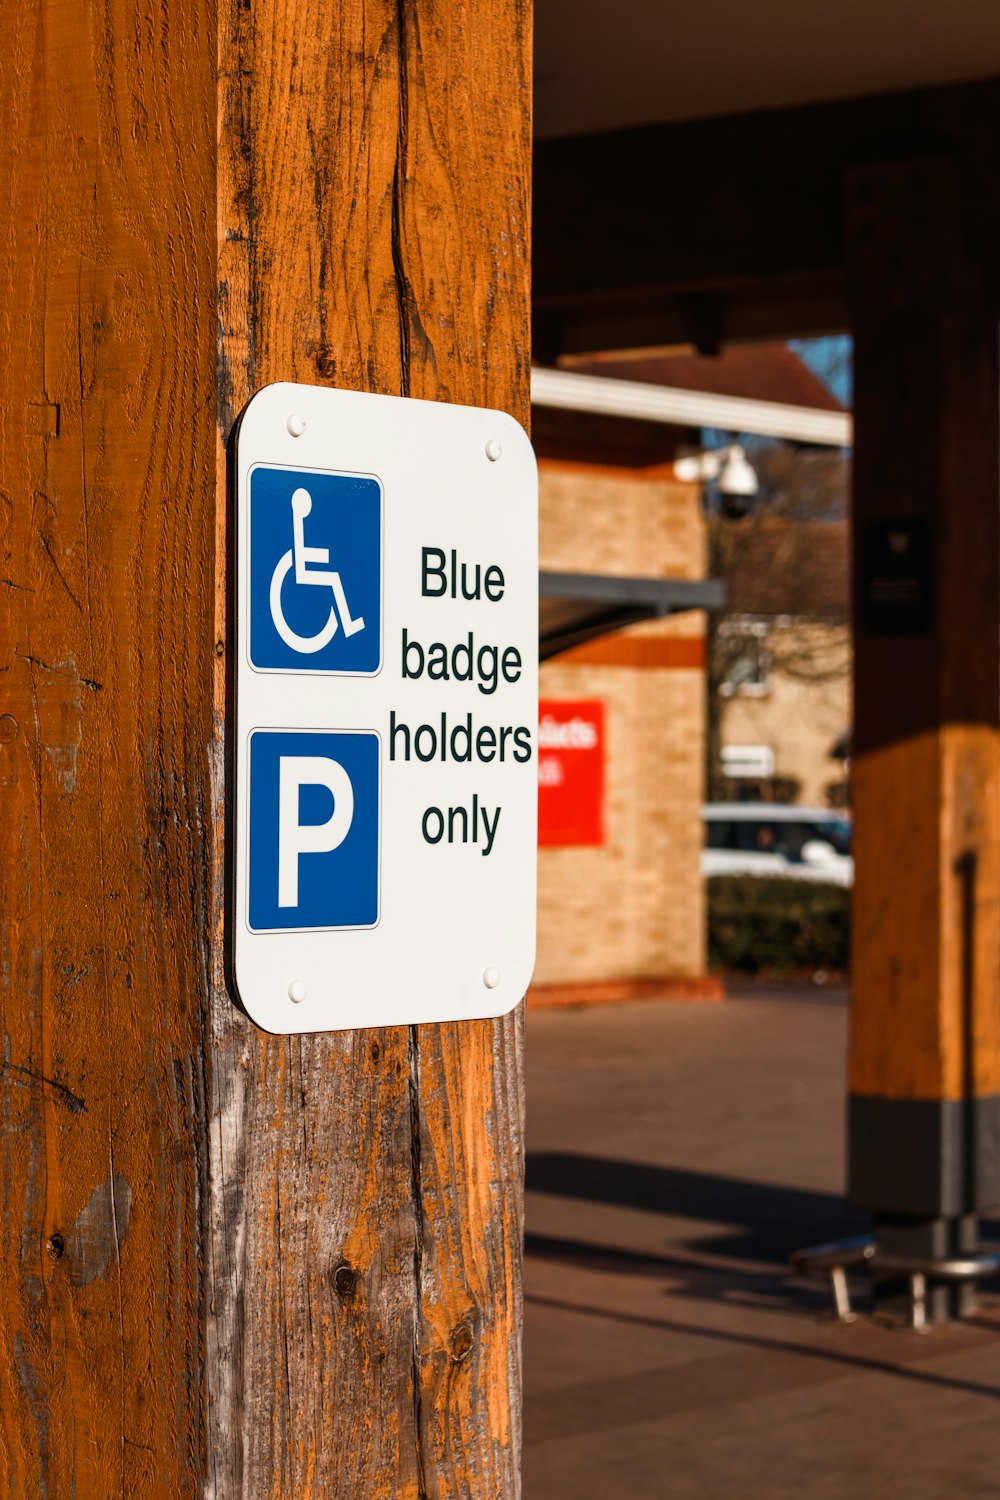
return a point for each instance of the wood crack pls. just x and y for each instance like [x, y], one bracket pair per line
[416, 1188]
[58, 570]
[64, 1095]
[121, 1305]
[403, 292]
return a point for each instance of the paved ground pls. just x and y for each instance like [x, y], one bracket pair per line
[677, 1153]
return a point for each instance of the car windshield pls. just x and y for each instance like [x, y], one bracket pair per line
[836, 831]
[764, 835]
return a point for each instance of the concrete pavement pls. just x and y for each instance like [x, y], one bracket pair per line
[677, 1154]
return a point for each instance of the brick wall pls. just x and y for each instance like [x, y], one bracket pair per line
[632, 909]
[799, 716]
[619, 521]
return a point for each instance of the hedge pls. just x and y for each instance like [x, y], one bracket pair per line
[768, 923]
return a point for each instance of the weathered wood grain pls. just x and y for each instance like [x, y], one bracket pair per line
[364, 1333]
[107, 371]
[235, 1266]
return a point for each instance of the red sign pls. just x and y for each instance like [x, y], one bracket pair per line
[570, 772]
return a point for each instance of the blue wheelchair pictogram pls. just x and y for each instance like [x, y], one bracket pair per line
[315, 571]
[314, 829]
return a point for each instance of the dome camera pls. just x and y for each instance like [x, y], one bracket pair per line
[735, 476]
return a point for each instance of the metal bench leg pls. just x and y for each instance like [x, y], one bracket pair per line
[918, 1301]
[841, 1296]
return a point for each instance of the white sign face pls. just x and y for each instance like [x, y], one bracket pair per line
[384, 801]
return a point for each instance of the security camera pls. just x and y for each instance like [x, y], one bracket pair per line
[736, 477]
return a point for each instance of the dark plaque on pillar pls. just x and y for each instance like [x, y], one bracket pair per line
[897, 577]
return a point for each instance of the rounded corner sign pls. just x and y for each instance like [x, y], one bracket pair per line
[382, 834]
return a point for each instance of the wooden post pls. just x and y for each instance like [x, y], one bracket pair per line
[925, 1052]
[234, 1265]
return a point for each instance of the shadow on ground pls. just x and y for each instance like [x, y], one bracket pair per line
[670, 1354]
[765, 1221]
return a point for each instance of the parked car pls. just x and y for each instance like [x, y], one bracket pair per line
[763, 838]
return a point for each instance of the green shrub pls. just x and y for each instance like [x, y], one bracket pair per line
[767, 923]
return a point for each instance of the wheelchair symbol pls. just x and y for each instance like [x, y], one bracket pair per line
[302, 556]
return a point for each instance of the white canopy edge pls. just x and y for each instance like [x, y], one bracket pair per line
[669, 404]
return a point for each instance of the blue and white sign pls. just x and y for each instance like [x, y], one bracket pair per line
[314, 830]
[383, 806]
[315, 571]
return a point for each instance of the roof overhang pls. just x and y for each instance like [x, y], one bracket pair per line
[602, 67]
[577, 607]
[682, 408]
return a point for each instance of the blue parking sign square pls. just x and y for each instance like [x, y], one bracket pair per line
[314, 829]
[315, 571]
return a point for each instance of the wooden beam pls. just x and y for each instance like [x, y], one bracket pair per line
[107, 378]
[728, 228]
[234, 1265]
[785, 307]
[925, 1048]
[373, 221]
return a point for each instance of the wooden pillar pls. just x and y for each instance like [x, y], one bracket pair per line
[925, 1049]
[234, 1265]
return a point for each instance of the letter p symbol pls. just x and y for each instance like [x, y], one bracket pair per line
[296, 838]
